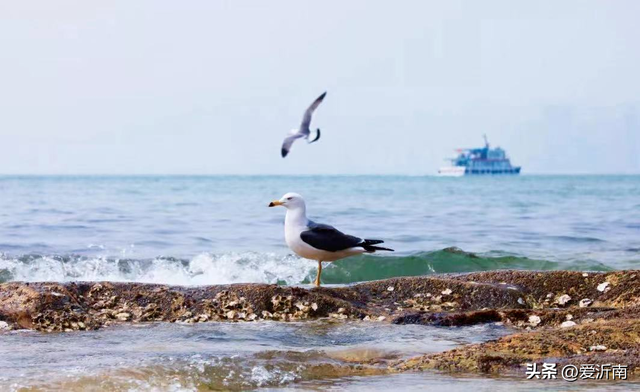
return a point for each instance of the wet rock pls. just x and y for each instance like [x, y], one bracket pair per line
[449, 319]
[624, 286]
[545, 303]
[508, 355]
[83, 305]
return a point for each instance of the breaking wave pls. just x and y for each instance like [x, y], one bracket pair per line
[206, 269]
[203, 269]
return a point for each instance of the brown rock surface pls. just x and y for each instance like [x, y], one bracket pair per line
[620, 339]
[568, 312]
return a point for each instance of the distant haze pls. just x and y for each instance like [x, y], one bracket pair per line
[212, 87]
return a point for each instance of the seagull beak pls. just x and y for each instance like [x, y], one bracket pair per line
[275, 203]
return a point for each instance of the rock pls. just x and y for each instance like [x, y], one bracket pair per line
[563, 299]
[390, 288]
[4, 326]
[95, 304]
[123, 316]
[603, 287]
[585, 302]
[598, 347]
[567, 324]
[534, 320]
[509, 354]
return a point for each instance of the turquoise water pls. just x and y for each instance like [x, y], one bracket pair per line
[205, 230]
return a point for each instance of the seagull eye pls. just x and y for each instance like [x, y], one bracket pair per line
[289, 198]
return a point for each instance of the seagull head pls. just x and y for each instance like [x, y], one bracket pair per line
[289, 201]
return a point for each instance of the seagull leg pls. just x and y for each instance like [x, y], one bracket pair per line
[317, 281]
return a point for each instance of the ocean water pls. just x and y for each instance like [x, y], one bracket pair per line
[217, 356]
[315, 355]
[195, 230]
[210, 230]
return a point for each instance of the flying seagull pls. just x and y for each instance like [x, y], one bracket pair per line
[317, 241]
[304, 131]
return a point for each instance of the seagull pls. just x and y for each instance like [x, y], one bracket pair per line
[317, 241]
[304, 131]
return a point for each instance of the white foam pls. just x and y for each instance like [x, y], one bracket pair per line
[203, 269]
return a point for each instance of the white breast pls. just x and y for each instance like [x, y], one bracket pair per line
[295, 243]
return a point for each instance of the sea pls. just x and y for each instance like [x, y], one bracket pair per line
[203, 230]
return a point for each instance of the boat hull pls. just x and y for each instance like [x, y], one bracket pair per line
[459, 171]
[452, 171]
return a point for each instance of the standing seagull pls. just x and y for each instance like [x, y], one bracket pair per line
[304, 131]
[317, 241]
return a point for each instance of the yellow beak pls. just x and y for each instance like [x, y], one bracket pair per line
[275, 203]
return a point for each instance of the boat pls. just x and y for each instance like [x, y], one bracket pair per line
[479, 161]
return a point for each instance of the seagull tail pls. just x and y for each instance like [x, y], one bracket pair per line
[368, 245]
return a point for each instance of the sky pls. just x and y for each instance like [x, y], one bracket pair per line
[213, 87]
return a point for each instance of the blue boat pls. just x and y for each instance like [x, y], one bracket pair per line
[479, 161]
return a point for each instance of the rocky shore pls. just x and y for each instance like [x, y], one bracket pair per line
[564, 316]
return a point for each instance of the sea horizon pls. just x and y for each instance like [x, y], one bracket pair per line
[523, 174]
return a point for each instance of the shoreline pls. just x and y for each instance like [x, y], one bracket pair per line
[567, 316]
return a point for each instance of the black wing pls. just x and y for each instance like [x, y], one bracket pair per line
[328, 238]
[317, 136]
[288, 142]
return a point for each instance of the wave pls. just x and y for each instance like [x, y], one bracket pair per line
[448, 260]
[568, 238]
[225, 373]
[226, 268]
[203, 269]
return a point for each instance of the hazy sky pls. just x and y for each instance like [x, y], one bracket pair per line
[207, 87]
